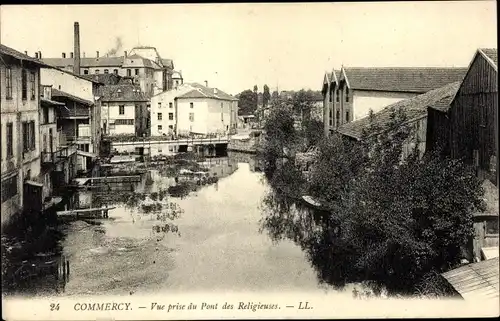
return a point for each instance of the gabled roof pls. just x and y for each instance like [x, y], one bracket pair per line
[414, 107]
[60, 93]
[200, 91]
[123, 92]
[476, 280]
[490, 54]
[20, 56]
[51, 102]
[137, 61]
[411, 80]
[85, 62]
[169, 63]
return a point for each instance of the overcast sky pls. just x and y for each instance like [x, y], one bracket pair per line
[235, 46]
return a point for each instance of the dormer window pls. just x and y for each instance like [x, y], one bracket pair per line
[119, 92]
[97, 71]
[347, 94]
[338, 96]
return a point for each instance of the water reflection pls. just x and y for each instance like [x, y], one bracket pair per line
[207, 238]
[313, 230]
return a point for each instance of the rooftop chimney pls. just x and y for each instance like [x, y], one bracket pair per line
[125, 53]
[71, 55]
[36, 55]
[40, 54]
[26, 52]
[215, 90]
[206, 83]
[97, 54]
[64, 55]
[76, 65]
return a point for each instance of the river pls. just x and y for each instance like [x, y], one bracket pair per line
[218, 244]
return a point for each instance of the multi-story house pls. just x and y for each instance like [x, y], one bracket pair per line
[205, 110]
[58, 162]
[123, 109]
[415, 109]
[80, 120]
[164, 110]
[350, 94]
[20, 149]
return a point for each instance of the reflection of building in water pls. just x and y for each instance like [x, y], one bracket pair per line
[245, 158]
[220, 167]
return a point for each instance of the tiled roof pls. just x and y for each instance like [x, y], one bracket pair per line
[18, 55]
[476, 280]
[137, 61]
[205, 92]
[122, 92]
[415, 80]
[169, 63]
[60, 93]
[491, 54]
[51, 102]
[85, 62]
[414, 108]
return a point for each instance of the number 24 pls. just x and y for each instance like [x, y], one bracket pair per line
[54, 307]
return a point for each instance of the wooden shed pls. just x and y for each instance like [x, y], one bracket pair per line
[476, 281]
[473, 116]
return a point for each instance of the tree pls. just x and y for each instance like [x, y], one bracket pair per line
[266, 96]
[303, 103]
[274, 95]
[256, 96]
[393, 221]
[246, 104]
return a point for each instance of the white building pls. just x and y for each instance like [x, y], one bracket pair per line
[205, 110]
[350, 94]
[20, 149]
[164, 110]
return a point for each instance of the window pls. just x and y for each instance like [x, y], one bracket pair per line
[347, 116]
[9, 188]
[129, 72]
[347, 94]
[97, 71]
[124, 122]
[160, 116]
[330, 96]
[106, 71]
[159, 105]
[338, 118]
[222, 117]
[32, 86]
[121, 109]
[191, 105]
[10, 140]
[170, 116]
[115, 71]
[221, 105]
[160, 128]
[191, 116]
[86, 72]
[136, 72]
[8, 83]
[170, 105]
[337, 99]
[331, 117]
[28, 136]
[171, 127]
[24, 82]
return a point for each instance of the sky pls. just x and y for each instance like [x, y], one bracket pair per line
[284, 45]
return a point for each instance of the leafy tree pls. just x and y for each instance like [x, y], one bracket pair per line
[266, 96]
[275, 95]
[303, 103]
[256, 96]
[393, 221]
[246, 102]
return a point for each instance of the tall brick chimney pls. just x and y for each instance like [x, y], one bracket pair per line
[76, 64]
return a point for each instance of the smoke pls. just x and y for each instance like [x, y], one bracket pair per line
[118, 46]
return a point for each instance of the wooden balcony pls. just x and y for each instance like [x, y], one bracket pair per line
[59, 155]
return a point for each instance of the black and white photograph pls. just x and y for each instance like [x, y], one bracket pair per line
[249, 160]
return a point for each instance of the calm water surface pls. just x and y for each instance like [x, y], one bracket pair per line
[219, 245]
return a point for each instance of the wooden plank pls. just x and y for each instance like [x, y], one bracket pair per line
[84, 210]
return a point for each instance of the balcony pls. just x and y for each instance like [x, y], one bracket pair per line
[59, 155]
